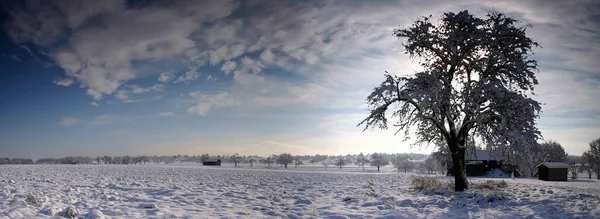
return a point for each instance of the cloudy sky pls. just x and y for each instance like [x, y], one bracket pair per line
[253, 77]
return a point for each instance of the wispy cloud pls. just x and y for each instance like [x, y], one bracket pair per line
[104, 120]
[166, 114]
[63, 82]
[68, 121]
[208, 102]
[190, 75]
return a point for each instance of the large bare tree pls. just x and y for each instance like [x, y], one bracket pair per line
[591, 157]
[475, 82]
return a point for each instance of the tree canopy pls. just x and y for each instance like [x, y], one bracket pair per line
[474, 84]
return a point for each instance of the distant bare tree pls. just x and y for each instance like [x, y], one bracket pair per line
[204, 157]
[378, 160]
[430, 164]
[297, 161]
[251, 161]
[235, 159]
[592, 157]
[361, 160]
[340, 163]
[285, 159]
[325, 164]
[402, 162]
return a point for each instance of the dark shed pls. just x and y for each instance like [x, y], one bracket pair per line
[553, 171]
[212, 162]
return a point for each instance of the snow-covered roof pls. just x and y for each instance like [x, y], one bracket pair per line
[212, 159]
[484, 155]
[553, 165]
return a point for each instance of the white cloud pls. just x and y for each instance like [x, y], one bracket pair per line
[208, 102]
[190, 75]
[63, 82]
[122, 95]
[97, 59]
[210, 78]
[68, 121]
[104, 120]
[228, 66]
[136, 89]
[165, 77]
[251, 65]
[95, 104]
[166, 114]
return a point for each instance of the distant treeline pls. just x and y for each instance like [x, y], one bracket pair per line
[185, 158]
[15, 161]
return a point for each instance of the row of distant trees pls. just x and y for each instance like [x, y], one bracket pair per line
[15, 161]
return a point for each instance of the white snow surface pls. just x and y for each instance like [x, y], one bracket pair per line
[194, 191]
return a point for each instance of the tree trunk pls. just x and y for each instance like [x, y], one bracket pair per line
[460, 170]
[285, 165]
[363, 166]
[377, 168]
[340, 167]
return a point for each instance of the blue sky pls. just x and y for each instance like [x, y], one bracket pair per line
[189, 77]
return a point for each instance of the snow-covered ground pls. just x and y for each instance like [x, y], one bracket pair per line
[192, 191]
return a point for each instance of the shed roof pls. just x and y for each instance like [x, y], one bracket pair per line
[484, 155]
[213, 159]
[554, 165]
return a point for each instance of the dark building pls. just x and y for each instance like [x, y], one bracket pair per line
[553, 171]
[479, 162]
[212, 162]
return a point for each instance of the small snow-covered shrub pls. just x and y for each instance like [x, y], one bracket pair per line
[371, 189]
[489, 184]
[427, 182]
[69, 212]
[35, 199]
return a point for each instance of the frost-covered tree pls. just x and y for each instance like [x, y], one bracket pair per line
[592, 157]
[361, 160]
[236, 158]
[297, 161]
[204, 157]
[403, 163]
[585, 166]
[430, 164]
[268, 161]
[474, 84]
[251, 161]
[340, 162]
[285, 159]
[378, 160]
[552, 151]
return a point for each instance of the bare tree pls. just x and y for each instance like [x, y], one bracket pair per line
[297, 161]
[251, 161]
[477, 73]
[361, 160]
[378, 160]
[340, 162]
[402, 162]
[268, 161]
[430, 165]
[592, 157]
[325, 164]
[236, 159]
[285, 159]
[204, 157]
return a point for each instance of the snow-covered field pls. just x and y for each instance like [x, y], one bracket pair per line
[191, 191]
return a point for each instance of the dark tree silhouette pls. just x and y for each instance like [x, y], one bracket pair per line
[474, 84]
